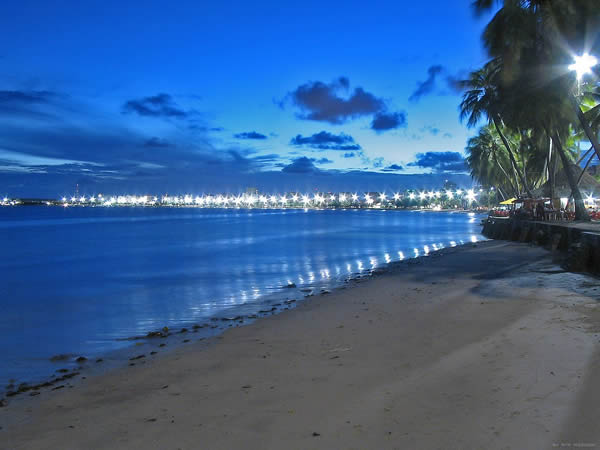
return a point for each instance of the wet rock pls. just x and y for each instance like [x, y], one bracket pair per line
[137, 357]
[62, 370]
[153, 353]
[226, 319]
[165, 329]
[264, 311]
[252, 316]
[197, 327]
[81, 359]
[58, 387]
[162, 345]
[306, 290]
[315, 434]
[287, 302]
[34, 393]
[291, 285]
[23, 387]
[61, 357]
[2, 402]
[186, 341]
[156, 334]
[325, 292]
[99, 360]
[184, 330]
[11, 393]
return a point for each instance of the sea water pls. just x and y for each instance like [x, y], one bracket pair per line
[79, 280]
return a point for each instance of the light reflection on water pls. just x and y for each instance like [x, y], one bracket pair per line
[79, 278]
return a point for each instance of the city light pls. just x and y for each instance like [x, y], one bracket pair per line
[423, 199]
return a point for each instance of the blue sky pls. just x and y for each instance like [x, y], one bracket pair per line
[192, 97]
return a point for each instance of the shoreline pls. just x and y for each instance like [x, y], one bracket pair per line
[427, 327]
[79, 366]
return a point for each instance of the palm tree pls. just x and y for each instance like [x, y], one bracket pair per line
[487, 160]
[529, 38]
[482, 98]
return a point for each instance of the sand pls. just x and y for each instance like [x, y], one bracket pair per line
[485, 347]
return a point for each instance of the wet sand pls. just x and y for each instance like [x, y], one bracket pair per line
[490, 346]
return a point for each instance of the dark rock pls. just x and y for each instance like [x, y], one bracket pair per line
[99, 360]
[62, 370]
[153, 353]
[11, 393]
[184, 330]
[155, 334]
[34, 393]
[291, 285]
[81, 359]
[166, 329]
[186, 340]
[315, 434]
[162, 345]
[2, 403]
[137, 357]
[225, 319]
[61, 357]
[58, 387]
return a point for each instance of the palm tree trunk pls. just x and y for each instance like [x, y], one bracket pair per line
[512, 157]
[512, 186]
[580, 211]
[585, 125]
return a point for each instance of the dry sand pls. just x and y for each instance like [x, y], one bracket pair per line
[488, 347]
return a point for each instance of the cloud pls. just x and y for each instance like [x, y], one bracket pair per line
[388, 121]
[324, 161]
[29, 104]
[427, 86]
[160, 105]
[301, 165]
[155, 142]
[326, 141]
[393, 168]
[440, 162]
[349, 155]
[249, 135]
[322, 102]
[434, 131]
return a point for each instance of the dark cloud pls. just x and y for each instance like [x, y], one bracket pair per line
[427, 86]
[388, 121]
[160, 105]
[447, 135]
[321, 102]
[250, 135]
[393, 168]
[155, 142]
[301, 165]
[30, 104]
[26, 96]
[452, 162]
[349, 155]
[324, 161]
[326, 141]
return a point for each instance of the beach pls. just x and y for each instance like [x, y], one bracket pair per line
[486, 346]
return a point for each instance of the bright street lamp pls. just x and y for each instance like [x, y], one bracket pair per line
[583, 65]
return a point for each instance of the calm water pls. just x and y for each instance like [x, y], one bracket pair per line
[76, 280]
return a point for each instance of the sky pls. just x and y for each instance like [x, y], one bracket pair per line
[200, 97]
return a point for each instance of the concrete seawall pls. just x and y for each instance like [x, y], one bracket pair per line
[577, 243]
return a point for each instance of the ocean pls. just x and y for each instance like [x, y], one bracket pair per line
[81, 280]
